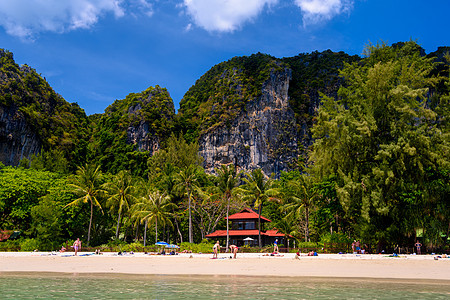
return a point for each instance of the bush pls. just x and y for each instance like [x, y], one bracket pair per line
[29, 244]
[335, 237]
[203, 247]
[135, 247]
[10, 245]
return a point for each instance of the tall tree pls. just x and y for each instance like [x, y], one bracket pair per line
[156, 208]
[87, 185]
[120, 195]
[187, 182]
[299, 195]
[227, 181]
[257, 190]
[380, 136]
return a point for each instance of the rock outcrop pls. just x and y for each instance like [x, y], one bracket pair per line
[262, 136]
[17, 139]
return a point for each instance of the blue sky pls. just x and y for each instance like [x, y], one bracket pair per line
[96, 51]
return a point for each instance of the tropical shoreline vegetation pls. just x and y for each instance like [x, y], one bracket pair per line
[377, 170]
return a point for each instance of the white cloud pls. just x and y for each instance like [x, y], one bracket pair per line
[26, 18]
[315, 11]
[224, 15]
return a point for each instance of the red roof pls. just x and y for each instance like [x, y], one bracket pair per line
[221, 233]
[254, 232]
[247, 213]
[274, 232]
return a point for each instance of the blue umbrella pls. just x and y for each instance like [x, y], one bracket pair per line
[162, 244]
[172, 246]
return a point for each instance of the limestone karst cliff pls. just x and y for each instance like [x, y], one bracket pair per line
[262, 136]
[253, 111]
[17, 138]
[33, 117]
[132, 129]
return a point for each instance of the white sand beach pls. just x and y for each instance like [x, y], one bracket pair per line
[423, 267]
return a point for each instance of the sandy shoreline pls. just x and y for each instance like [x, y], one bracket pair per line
[325, 265]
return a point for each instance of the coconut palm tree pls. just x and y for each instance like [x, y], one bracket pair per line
[121, 195]
[299, 196]
[227, 181]
[154, 208]
[87, 185]
[187, 182]
[257, 190]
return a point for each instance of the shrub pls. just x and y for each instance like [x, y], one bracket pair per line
[203, 247]
[29, 244]
[10, 245]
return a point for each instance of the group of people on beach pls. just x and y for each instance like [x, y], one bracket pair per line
[216, 249]
[234, 249]
[76, 247]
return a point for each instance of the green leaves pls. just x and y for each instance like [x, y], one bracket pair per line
[377, 135]
[20, 190]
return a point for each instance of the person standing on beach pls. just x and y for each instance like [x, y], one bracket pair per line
[358, 247]
[77, 246]
[275, 246]
[216, 249]
[234, 250]
[418, 245]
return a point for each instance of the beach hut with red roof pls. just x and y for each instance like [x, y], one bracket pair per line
[244, 225]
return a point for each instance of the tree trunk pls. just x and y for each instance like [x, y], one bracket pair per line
[178, 229]
[117, 227]
[90, 223]
[191, 239]
[228, 224]
[145, 233]
[259, 226]
[156, 231]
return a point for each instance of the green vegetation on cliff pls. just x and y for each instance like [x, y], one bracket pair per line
[314, 74]
[220, 94]
[147, 115]
[56, 122]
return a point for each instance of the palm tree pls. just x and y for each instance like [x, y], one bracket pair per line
[227, 182]
[86, 184]
[154, 207]
[299, 196]
[257, 189]
[285, 226]
[121, 195]
[187, 181]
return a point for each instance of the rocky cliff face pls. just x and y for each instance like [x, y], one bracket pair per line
[262, 136]
[17, 140]
[140, 134]
[33, 117]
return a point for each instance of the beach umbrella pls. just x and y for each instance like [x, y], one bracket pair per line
[172, 246]
[162, 244]
[248, 240]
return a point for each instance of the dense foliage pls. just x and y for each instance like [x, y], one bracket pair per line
[150, 112]
[378, 169]
[56, 122]
[314, 74]
[385, 144]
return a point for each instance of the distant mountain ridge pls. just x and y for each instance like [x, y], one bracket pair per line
[254, 111]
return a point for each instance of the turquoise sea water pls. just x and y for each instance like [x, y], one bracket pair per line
[112, 286]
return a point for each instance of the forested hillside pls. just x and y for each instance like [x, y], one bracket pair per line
[34, 117]
[131, 130]
[359, 148]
